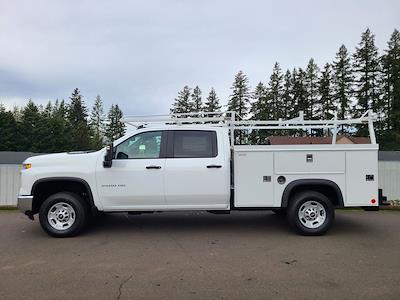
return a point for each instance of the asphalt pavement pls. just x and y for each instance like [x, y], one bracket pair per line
[192, 255]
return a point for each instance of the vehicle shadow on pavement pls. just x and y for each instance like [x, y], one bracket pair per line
[190, 221]
[251, 222]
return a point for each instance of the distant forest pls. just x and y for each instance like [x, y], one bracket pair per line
[62, 126]
[349, 85]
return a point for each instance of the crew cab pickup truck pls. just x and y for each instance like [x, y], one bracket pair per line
[191, 163]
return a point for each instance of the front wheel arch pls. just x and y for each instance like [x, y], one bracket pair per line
[45, 187]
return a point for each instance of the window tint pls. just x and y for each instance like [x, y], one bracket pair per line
[188, 143]
[142, 145]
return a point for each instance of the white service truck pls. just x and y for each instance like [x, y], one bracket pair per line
[189, 162]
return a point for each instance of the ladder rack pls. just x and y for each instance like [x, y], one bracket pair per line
[234, 122]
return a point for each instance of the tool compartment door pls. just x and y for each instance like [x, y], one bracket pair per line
[253, 179]
[362, 178]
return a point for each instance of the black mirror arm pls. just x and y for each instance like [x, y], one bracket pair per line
[107, 163]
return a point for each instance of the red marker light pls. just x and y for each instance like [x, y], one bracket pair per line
[373, 201]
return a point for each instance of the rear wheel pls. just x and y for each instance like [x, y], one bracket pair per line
[310, 213]
[63, 215]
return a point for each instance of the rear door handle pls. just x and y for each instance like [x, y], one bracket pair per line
[153, 167]
[214, 166]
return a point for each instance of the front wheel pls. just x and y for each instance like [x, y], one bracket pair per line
[310, 213]
[63, 215]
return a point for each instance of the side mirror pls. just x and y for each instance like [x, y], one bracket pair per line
[107, 163]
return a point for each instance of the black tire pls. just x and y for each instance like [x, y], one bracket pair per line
[298, 224]
[80, 214]
[280, 211]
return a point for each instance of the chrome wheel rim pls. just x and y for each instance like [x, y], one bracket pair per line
[312, 214]
[61, 216]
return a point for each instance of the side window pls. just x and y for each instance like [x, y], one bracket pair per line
[142, 145]
[192, 143]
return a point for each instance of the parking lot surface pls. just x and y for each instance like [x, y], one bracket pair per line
[244, 255]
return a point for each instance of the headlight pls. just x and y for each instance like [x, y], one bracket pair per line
[26, 166]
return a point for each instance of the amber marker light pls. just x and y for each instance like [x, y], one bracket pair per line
[26, 166]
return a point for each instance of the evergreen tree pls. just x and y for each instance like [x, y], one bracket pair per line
[77, 114]
[275, 91]
[115, 128]
[260, 110]
[212, 103]
[45, 129]
[96, 123]
[391, 68]
[326, 102]
[288, 103]
[77, 111]
[30, 130]
[182, 103]
[60, 109]
[342, 83]
[52, 131]
[366, 67]
[300, 91]
[239, 102]
[311, 82]
[48, 110]
[197, 104]
[17, 113]
[300, 98]
[61, 127]
[8, 130]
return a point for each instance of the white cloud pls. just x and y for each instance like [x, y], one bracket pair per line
[139, 54]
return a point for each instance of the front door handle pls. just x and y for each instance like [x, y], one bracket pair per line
[153, 167]
[214, 166]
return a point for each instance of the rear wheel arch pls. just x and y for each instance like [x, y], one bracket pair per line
[324, 186]
[45, 187]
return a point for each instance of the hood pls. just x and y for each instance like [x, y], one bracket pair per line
[77, 157]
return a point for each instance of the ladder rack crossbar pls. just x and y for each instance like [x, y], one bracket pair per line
[228, 119]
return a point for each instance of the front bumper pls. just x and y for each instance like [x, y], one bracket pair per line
[24, 203]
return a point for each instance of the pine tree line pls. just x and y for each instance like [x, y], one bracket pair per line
[189, 100]
[59, 126]
[348, 86]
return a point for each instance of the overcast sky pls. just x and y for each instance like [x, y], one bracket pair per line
[139, 54]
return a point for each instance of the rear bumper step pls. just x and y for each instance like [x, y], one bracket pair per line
[382, 199]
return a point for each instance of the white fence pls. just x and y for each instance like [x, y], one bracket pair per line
[389, 180]
[9, 184]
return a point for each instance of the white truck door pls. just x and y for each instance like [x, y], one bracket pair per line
[197, 170]
[136, 177]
